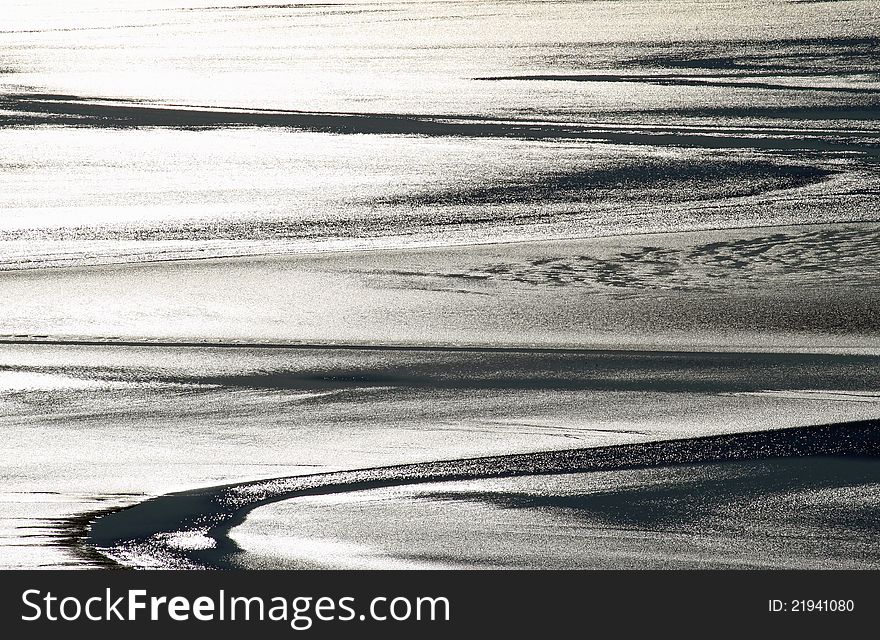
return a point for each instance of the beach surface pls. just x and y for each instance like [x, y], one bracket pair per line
[117, 425]
[247, 245]
[798, 513]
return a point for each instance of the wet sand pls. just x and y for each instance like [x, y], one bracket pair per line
[128, 423]
[247, 241]
[797, 513]
[809, 287]
[116, 425]
[192, 529]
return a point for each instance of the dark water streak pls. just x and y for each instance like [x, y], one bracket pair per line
[679, 81]
[79, 111]
[320, 367]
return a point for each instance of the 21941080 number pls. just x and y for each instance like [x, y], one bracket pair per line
[809, 606]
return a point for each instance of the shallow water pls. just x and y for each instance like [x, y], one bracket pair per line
[93, 427]
[793, 514]
[675, 176]
[187, 129]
